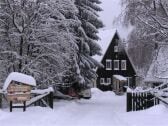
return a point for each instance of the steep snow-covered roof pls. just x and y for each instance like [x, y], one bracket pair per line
[106, 36]
[105, 39]
[158, 71]
[19, 77]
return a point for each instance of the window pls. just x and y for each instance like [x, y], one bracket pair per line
[129, 81]
[116, 64]
[116, 42]
[108, 65]
[115, 48]
[108, 80]
[123, 64]
[102, 81]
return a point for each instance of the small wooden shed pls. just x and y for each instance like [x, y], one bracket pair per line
[18, 87]
[118, 84]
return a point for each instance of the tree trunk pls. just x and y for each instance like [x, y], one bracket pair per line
[21, 54]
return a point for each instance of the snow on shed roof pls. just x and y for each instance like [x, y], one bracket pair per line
[106, 37]
[120, 77]
[19, 77]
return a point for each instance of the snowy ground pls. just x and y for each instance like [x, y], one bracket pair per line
[104, 109]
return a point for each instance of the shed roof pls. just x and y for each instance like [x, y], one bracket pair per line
[19, 77]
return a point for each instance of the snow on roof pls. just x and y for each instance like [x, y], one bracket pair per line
[19, 77]
[120, 77]
[106, 37]
[158, 71]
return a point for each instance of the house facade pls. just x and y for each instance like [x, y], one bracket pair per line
[117, 64]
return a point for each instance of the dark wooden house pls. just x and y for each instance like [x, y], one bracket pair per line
[117, 64]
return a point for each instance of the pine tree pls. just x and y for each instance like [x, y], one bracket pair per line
[87, 37]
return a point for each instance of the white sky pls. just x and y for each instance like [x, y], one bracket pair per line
[111, 10]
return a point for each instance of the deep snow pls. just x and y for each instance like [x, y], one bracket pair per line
[103, 109]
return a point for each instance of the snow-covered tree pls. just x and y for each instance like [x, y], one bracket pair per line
[36, 38]
[87, 37]
[150, 25]
[149, 18]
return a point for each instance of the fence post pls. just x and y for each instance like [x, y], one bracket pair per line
[24, 106]
[51, 100]
[129, 101]
[149, 100]
[134, 102]
[10, 106]
[143, 101]
[156, 101]
[0, 100]
[139, 101]
[146, 100]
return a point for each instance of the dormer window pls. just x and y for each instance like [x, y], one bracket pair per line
[108, 64]
[115, 48]
[116, 45]
[116, 42]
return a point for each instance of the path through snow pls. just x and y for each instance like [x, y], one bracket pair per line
[103, 109]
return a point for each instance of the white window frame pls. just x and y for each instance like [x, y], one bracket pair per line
[116, 68]
[116, 48]
[108, 80]
[102, 80]
[110, 62]
[128, 81]
[125, 64]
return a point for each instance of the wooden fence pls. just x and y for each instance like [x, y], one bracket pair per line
[45, 101]
[140, 101]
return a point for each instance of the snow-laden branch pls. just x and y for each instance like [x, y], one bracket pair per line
[160, 24]
[152, 26]
[163, 7]
[38, 57]
[3, 22]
